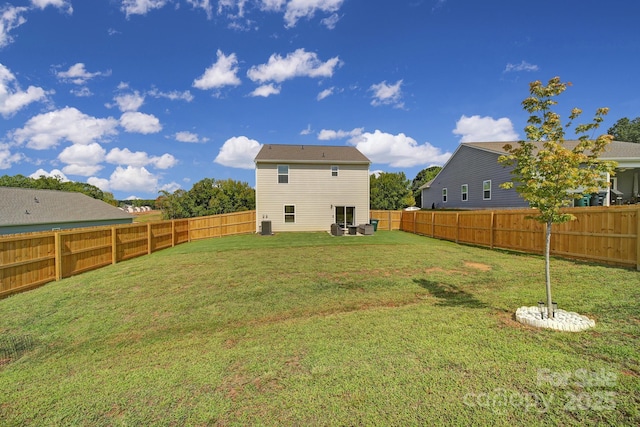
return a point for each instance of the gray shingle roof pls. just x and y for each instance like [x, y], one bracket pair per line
[274, 153]
[25, 206]
[615, 151]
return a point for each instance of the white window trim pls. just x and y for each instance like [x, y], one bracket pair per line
[281, 174]
[284, 212]
[484, 197]
[463, 192]
[335, 169]
[444, 195]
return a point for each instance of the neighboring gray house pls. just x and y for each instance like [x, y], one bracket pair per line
[310, 187]
[471, 178]
[24, 210]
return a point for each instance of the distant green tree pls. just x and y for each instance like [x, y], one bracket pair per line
[173, 205]
[17, 181]
[390, 191]
[54, 183]
[424, 176]
[232, 196]
[626, 130]
[207, 197]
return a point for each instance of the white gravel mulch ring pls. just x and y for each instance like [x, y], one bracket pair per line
[563, 320]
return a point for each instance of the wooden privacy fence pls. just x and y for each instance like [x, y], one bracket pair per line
[602, 234]
[387, 220]
[31, 260]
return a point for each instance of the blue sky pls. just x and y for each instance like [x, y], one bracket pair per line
[138, 96]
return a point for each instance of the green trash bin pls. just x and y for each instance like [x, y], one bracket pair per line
[374, 222]
[583, 201]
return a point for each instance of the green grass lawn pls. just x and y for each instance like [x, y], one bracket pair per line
[309, 329]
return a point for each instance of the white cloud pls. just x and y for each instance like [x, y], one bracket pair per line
[129, 101]
[328, 134]
[296, 64]
[46, 130]
[82, 92]
[186, 136]
[82, 170]
[331, 21]
[522, 66]
[396, 150]
[101, 183]
[77, 74]
[133, 179]
[297, 9]
[135, 122]
[170, 187]
[306, 131]
[266, 90]
[60, 4]
[485, 129]
[387, 94]
[7, 158]
[172, 95]
[139, 159]
[165, 161]
[12, 98]
[222, 73]
[204, 5]
[82, 159]
[10, 19]
[325, 93]
[238, 152]
[231, 4]
[53, 174]
[141, 7]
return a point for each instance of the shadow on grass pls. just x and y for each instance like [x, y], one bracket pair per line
[450, 295]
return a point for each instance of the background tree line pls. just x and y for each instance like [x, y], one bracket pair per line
[56, 183]
[207, 197]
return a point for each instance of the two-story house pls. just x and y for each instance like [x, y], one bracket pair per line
[310, 187]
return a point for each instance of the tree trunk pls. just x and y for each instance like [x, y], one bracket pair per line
[547, 270]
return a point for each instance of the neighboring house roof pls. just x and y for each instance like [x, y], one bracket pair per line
[616, 150]
[330, 154]
[26, 206]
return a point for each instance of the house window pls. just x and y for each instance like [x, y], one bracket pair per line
[444, 195]
[464, 191]
[283, 174]
[289, 214]
[334, 170]
[486, 190]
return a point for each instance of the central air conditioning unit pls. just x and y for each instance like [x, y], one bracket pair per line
[265, 230]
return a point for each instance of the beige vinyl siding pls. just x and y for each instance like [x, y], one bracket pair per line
[314, 192]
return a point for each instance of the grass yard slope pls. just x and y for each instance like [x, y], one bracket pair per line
[310, 329]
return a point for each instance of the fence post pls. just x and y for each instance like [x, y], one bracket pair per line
[114, 245]
[457, 227]
[58, 256]
[433, 224]
[148, 238]
[173, 232]
[491, 229]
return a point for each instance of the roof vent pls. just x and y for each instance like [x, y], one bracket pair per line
[35, 199]
[26, 212]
